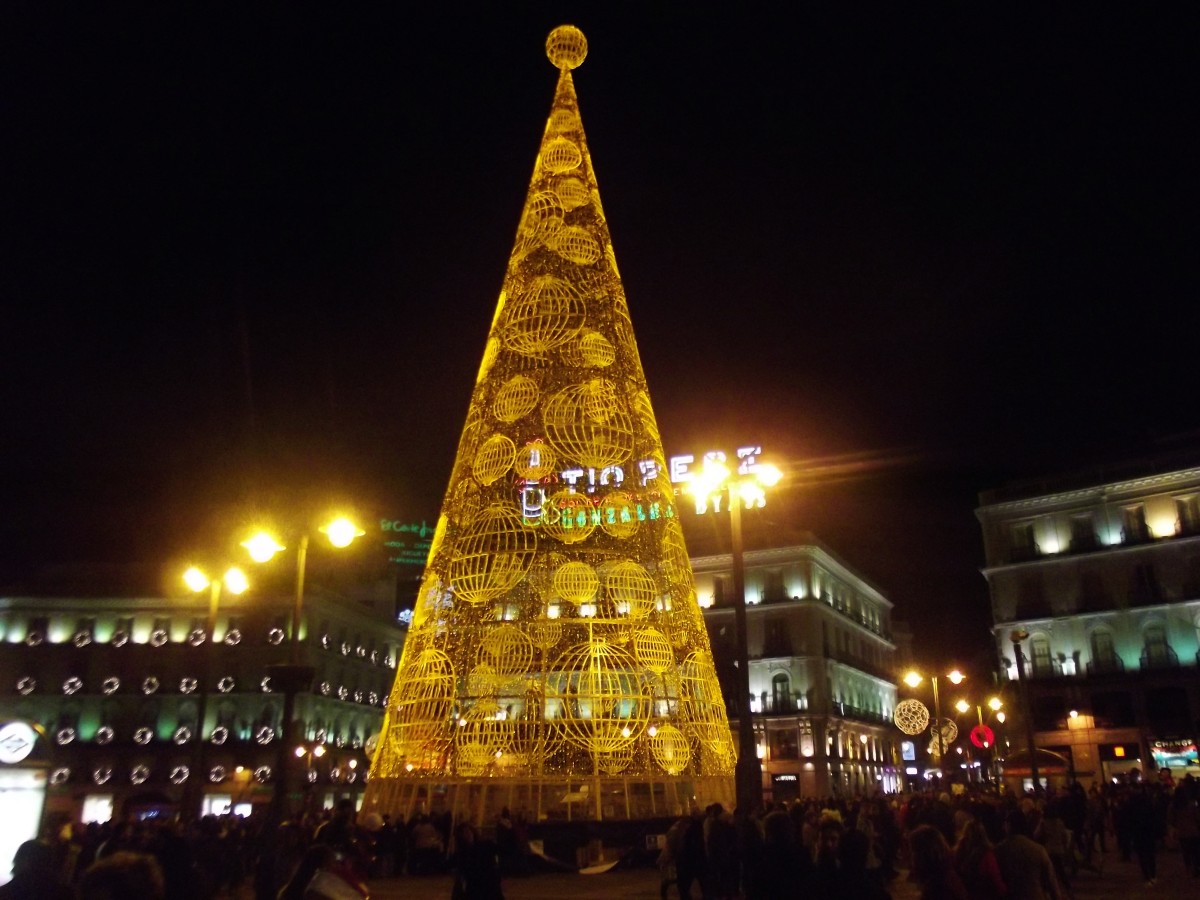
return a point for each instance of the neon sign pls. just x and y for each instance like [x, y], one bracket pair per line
[407, 542]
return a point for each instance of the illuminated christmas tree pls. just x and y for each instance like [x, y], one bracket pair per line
[557, 660]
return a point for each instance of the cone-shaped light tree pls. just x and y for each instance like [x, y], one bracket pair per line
[557, 660]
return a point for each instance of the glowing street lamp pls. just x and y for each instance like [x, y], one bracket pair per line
[234, 580]
[294, 676]
[710, 486]
[914, 678]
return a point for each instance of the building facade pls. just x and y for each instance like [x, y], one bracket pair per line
[116, 689]
[822, 683]
[1098, 582]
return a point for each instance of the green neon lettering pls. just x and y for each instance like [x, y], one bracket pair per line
[641, 513]
[653, 511]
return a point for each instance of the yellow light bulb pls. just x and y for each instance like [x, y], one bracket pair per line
[300, 751]
[342, 532]
[1000, 717]
[913, 679]
[956, 677]
[995, 703]
[236, 581]
[962, 706]
[195, 579]
[767, 475]
[319, 750]
[262, 547]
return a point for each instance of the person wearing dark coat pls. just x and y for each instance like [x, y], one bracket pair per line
[476, 865]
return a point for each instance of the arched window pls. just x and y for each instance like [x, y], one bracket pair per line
[781, 693]
[1156, 652]
[1104, 654]
[1043, 663]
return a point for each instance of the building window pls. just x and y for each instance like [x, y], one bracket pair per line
[775, 639]
[784, 744]
[1187, 511]
[720, 591]
[773, 590]
[1133, 523]
[1156, 652]
[1043, 664]
[1143, 588]
[1083, 533]
[781, 694]
[1104, 655]
[1021, 542]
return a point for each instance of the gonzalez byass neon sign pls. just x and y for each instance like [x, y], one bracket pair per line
[588, 480]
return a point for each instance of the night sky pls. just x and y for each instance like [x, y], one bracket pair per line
[251, 253]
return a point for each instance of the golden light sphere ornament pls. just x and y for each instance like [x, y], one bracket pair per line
[557, 660]
[911, 716]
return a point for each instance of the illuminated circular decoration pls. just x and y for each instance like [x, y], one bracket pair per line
[111, 685]
[561, 155]
[262, 774]
[947, 728]
[576, 582]
[217, 774]
[120, 638]
[275, 636]
[596, 350]
[188, 685]
[578, 246]
[351, 776]
[516, 399]
[671, 749]
[139, 773]
[535, 461]
[34, 639]
[494, 457]
[60, 776]
[102, 774]
[568, 517]
[64, 736]
[264, 735]
[104, 735]
[619, 515]
[311, 776]
[320, 736]
[674, 562]
[159, 637]
[179, 774]
[27, 685]
[149, 684]
[545, 633]
[335, 774]
[508, 650]
[424, 695]
[542, 218]
[233, 637]
[482, 733]
[547, 315]
[911, 716]
[345, 648]
[587, 424]
[226, 684]
[373, 698]
[630, 589]
[566, 47]
[563, 120]
[597, 705]
[374, 657]
[653, 650]
[342, 692]
[143, 736]
[196, 637]
[72, 685]
[81, 639]
[266, 686]
[182, 735]
[325, 688]
[491, 556]
[219, 735]
[616, 762]
[482, 681]
[571, 192]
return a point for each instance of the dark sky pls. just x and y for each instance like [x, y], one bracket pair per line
[251, 253]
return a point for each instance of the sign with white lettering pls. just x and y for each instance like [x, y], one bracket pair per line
[16, 742]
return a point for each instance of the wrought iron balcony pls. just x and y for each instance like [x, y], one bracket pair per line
[1045, 668]
[1159, 657]
[1106, 666]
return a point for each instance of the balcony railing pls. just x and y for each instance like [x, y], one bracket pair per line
[1045, 668]
[781, 704]
[1107, 665]
[1024, 552]
[1159, 657]
[863, 715]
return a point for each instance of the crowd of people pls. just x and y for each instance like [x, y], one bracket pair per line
[973, 844]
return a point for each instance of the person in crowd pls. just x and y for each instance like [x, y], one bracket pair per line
[932, 865]
[976, 865]
[854, 878]
[1052, 833]
[720, 850]
[35, 875]
[123, 875]
[477, 866]
[1024, 863]
[691, 867]
[1146, 827]
[1183, 818]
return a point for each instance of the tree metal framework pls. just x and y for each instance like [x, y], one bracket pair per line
[557, 659]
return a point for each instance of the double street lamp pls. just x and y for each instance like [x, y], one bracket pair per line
[234, 580]
[995, 704]
[710, 487]
[294, 677]
[913, 679]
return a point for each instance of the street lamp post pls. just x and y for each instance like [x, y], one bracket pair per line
[994, 704]
[913, 679]
[293, 677]
[1017, 636]
[235, 581]
[708, 488]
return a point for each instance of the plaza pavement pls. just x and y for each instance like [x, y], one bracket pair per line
[1116, 880]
